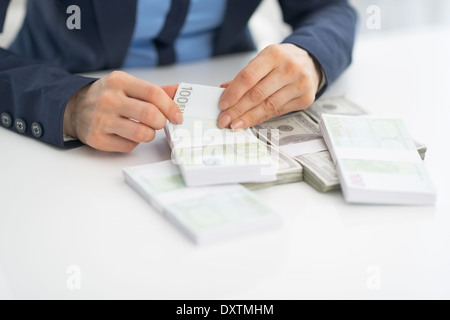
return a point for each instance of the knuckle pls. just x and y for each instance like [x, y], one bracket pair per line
[272, 48]
[115, 78]
[94, 139]
[292, 69]
[98, 121]
[274, 51]
[231, 95]
[308, 99]
[271, 105]
[150, 92]
[140, 133]
[306, 82]
[235, 111]
[160, 123]
[105, 100]
[248, 76]
[256, 94]
[146, 113]
[250, 119]
[299, 86]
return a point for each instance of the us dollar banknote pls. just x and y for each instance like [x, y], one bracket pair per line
[334, 105]
[319, 171]
[294, 134]
[288, 171]
[292, 128]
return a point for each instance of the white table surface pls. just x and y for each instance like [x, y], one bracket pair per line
[72, 208]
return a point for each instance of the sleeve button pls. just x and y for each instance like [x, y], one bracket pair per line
[6, 120]
[36, 129]
[20, 125]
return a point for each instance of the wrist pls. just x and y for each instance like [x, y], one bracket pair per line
[69, 127]
[320, 73]
[312, 64]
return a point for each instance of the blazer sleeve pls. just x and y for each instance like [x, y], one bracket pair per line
[34, 94]
[324, 28]
[33, 97]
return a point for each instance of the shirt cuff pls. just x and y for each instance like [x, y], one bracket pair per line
[68, 138]
[323, 79]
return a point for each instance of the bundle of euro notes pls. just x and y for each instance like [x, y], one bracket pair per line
[208, 155]
[204, 214]
[377, 161]
[298, 136]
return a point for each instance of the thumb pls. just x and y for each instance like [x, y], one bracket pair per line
[170, 90]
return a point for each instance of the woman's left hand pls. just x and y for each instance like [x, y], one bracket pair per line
[281, 79]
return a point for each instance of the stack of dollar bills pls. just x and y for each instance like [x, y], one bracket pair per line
[204, 214]
[208, 155]
[288, 171]
[377, 161]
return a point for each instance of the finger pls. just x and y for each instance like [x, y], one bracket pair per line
[131, 130]
[256, 70]
[225, 84]
[144, 112]
[263, 90]
[142, 90]
[114, 143]
[283, 101]
[171, 90]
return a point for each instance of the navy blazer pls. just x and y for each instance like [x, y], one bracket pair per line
[36, 79]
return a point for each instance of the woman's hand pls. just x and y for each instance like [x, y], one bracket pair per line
[281, 79]
[119, 111]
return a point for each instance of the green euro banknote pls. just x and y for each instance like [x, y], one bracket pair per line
[204, 214]
[377, 160]
[208, 155]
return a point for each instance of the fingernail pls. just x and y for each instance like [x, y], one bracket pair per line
[224, 105]
[224, 121]
[239, 125]
[179, 118]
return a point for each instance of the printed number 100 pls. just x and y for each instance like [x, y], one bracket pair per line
[183, 97]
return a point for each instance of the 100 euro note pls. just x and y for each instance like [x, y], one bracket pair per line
[340, 105]
[376, 160]
[204, 214]
[208, 155]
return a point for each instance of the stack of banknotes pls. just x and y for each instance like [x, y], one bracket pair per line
[287, 171]
[208, 155]
[298, 136]
[377, 161]
[204, 214]
[206, 188]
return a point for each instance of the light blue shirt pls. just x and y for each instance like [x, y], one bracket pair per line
[195, 41]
